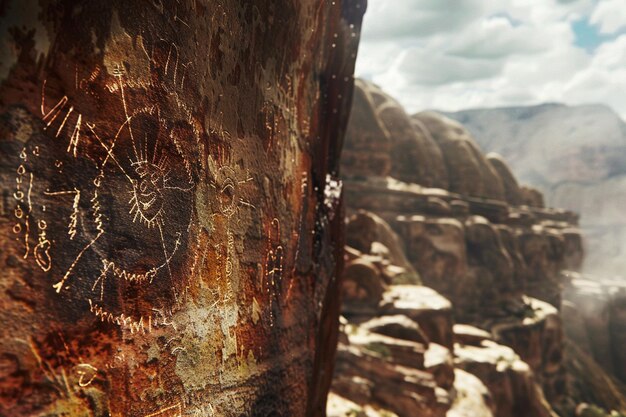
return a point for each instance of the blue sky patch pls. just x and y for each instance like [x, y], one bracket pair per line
[588, 36]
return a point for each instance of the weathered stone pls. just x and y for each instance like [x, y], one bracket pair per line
[437, 250]
[532, 197]
[538, 339]
[370, 234]
[543, 252]
[174, 235]
[472, 399]
[512, 193]
[404, 391]
[399, 327]
[362, 288]
[469, 172]
[439, 362]
[430, 310]
[415, 157]
[469, 335]
[485, 248]
[574, 252]
[509, 379]
[367, 145]
[396, 351]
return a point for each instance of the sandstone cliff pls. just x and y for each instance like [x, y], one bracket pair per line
[170, 213]
[482, 335]
[576, 155]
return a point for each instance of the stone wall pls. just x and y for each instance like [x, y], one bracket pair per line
[171, 217]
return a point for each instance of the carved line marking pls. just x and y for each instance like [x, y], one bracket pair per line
[99, 226]
[50, 116]
[118, 73]
[175, 410]
[109, 153]
[86, 370]
[122, 320]
[273, 266]
[75, 138]
[42, 250]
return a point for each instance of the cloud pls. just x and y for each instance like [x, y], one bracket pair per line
[496, 37]
[509, 52]
[428, 67]
[610, 16]
[414, 18]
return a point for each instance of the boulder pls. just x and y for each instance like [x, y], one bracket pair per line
[472, 398]
[362, 288]
[398, 326]
[370, 234]
[510, 380]
[425, 306]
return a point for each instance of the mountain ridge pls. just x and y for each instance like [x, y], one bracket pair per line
[576, 155]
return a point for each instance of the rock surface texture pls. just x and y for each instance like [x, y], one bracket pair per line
[576, 156]
[482, 335]
[170, 216]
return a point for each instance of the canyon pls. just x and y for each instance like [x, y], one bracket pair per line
[462, 292]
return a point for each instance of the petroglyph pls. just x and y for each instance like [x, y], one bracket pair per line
[42, 250]
[141, 325]
[73, 223]
[175, 410]
[273, 266]
[150, 221]
[86, 374]
[139, 187]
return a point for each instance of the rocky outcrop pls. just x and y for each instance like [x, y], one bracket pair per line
[484, 243]
[576, 156]
[372, 236]
[510, 380]
[512, 192]
[368, 143]
[469, 171]
[596, 315]
[171, 220]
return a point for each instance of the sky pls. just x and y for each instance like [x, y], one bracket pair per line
[458, 54]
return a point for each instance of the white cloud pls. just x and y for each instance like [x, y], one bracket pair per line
[610, 16]
[505, 52]
[410, 18]
[496, 37]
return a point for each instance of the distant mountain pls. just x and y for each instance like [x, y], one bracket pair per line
[576, 155]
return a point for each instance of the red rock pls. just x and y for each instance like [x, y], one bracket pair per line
[469, 172]
[174, 246]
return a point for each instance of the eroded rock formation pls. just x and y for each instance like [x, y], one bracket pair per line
[171, 215]
[476, 237]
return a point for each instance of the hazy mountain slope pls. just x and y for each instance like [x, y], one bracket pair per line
[576, 156]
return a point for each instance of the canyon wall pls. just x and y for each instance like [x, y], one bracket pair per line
[576, 155]
[171, 217]
[453, 279]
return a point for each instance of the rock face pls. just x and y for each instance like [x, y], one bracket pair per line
[469, 171]
[597, 313]
[484, 243]
[576, 156]
[512, 192]
[171, 218]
